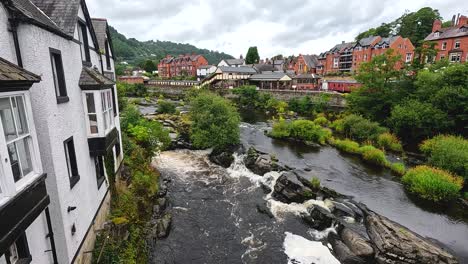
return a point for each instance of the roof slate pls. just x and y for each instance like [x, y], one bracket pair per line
[100, 29]
[62, 12]
[32, 12]
[235, 61]
[270, 76]
[91, 78]
[242, 69]
[10, 72]
[311, 60]
[368, 41]
[451, 32]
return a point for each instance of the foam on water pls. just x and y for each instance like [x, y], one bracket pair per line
[302, 251]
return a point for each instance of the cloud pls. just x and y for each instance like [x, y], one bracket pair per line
[279, 26]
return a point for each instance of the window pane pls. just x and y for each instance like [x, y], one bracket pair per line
[25, 155]
[90, 103]
[14, 161]
[93, 124]
[105, 121]
[7, 119]
[54, 71]
[20, 115]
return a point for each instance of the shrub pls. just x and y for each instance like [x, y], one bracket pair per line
[389, 141]
[347, 146]
[433, 184]
[215, 122]
[465, 196]
[361, 129]
[375, 156]
[166, 107]
[315, 182]
[366, 148]
[321, 121]
[308, 131]
[398, 168]
[338, 125]
[449, 153]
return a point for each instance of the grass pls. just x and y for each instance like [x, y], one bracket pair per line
[375, 156]
[304, 130]
[315, 182]
[433, 184]
[346, 145]
[389, 141]
[321, 121]
[398, 168]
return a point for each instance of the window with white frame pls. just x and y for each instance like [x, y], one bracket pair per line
[444, 45]
[457, 44]
[335, 62]
[92, 114]
[106, 103]
[455, 57]
[408, 57]
[16, 145]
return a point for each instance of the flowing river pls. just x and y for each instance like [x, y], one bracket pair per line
[218, 214]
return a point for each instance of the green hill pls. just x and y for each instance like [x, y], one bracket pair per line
[136, 52]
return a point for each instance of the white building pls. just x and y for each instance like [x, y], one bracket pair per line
[232, 63]
[62, 127]
[205, 70]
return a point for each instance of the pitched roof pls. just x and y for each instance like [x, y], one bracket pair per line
[368, 41]
[235, 61]
[92, 79]
[100, 28]
[242, 69]
[450, 32]
[311, 60]
[63, 12]
[205, 66]
[264, 67]
[270, 76]
[10, 72]
[306, 76]
[388, 40]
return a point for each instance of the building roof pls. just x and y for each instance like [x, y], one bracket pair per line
[388, 40]
[339, 79]
[242, 69]
[341, 47]
[367, 41]
[100, 28]
[205, 66]
[264, 67]
[10, 72]
[311, 60]
[450, 32]
[306, 76]
[94, 80]
[270, 76]
[63, 12]
[231, 62]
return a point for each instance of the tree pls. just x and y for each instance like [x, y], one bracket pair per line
[415, 120]
[252, 56]
[149, 66]
[424, 53]
[382, 87]
[417, 25]
[215, 122]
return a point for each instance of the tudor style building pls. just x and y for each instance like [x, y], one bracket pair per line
[62, 122]
[452, 42]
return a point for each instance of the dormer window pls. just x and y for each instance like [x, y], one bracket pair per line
[83, 34]
[436, 34]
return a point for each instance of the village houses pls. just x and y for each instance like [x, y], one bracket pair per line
[183, 65]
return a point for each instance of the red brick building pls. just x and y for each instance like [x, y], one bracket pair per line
[452, 42]
[347, 57]
[305, 64]
[132, 79]
[183, 65]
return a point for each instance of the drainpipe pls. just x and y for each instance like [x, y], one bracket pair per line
[51, 236]
[14, 31]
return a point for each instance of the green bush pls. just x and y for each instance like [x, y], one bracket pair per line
[321, 121]
[215, 122]
[389, 141]
[338, 125]
[433, 184]
[315, 182]
[398, 168]
[361, 129]
[166, 107]
[281, 129]
[347, 145]
[309, 131]
[374, 156]
[449, 153]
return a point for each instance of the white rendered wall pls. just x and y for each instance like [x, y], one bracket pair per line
[37, 241]
[54, 124]
[7, 50]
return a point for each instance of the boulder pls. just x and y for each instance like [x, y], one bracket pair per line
[357, 243]
[163, 226]
[396, 244]
[263, 209]
[288, 189]
[222, 158]
[342, 252]
[319, 218]
[261, 163]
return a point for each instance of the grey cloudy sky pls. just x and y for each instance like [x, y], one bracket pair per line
[276, 27]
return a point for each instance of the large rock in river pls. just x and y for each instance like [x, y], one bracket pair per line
[261, 163]
[289, 188]
[395, 244]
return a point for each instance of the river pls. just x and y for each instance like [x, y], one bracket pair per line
[216, 216]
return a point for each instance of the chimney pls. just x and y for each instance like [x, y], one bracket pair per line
[462, 20]
[241, 57]
[437, 25]
[343, 42]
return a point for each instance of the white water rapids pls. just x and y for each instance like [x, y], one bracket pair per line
[194, 166]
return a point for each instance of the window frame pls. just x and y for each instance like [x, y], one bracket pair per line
[83, 35]
[99, 167]
[457, 43]
[409, 57]
[95, 113]
[22, 249]
[444, 45]
[58, 74]
[457, 54]
[74, 179]
[9, 188]
[107, 50]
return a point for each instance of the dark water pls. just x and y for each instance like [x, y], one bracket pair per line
[376, 188]
[216, 217]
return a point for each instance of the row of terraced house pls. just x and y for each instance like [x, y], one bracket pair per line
[182, 65]
[59, 127]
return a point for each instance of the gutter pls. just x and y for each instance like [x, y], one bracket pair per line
[50, 235]
[14, 30]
